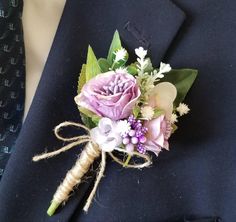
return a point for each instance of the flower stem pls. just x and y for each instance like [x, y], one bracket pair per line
[127, 161]
[52, 208]
[113, 64]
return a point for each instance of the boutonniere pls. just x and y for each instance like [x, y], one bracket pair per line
[131, 108]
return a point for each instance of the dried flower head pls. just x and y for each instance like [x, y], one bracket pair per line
[120, 55]
[147, 112]
[140, 52]
[123, 127]
[174, 118]
[182, 109]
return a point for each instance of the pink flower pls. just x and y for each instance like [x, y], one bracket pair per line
[110, 94]
[159, 131]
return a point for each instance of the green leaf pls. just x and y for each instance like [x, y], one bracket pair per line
[82, 78]
[92, 66]
[136, 111]
[174, 128]
[115, 45]
[96, 119]
[132, 70]
[87, 112]
[87, 121]
[158, 112]
[149, 67]
[121, 62]
[183, 79]
[88, 117]
[104, 65]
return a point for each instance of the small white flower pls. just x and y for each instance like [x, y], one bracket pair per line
[121, 70]
[163, 69]
[120, 54]
[174, 118]
[147, 112]
[140, 52]
[182, 109]
[157, 75]
[143, 63]
[123, 127]
[106, 135]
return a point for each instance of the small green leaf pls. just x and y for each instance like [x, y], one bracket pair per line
[92, 66]
[82, 78]
[87, 112]
[89, 117]
[87, 121]
[96, 119]
[104, 65]
[121, 62]
[174, 128]
[183, 79]
[115, 45]
[158, 112]
[132, 70]
[149, 66]
[136, 111]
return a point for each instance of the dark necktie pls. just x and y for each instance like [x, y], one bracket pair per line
[12, 76]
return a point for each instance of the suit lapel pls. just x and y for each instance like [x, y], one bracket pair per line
[28, 187]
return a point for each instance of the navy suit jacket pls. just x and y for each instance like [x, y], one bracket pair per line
[196, 180]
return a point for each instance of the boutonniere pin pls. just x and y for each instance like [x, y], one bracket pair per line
[130, 108]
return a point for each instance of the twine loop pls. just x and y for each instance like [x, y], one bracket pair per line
[84, 161]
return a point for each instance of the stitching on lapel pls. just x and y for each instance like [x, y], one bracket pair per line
[136, 33]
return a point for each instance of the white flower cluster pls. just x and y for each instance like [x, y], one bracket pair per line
[182, 109]
[123, 127]
[120, 55]
[174, 118]
[121, 70]
[164, 68]
[142, 62]
[148, 79]
[108, 134]
[147, 112]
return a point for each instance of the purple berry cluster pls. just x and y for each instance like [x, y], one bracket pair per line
[136, 136]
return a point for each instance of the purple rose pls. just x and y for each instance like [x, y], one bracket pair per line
[159, 131]
[110, 94]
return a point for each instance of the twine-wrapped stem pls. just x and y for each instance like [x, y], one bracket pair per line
[74, 176]
[83, 163]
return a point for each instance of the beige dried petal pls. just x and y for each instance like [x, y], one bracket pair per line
[162, 96]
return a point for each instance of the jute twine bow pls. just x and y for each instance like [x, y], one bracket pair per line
[82, 164]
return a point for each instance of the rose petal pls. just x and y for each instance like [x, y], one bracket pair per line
[129, 106]
[153, 148]
[116, 106]
[154, 127]
[82, 101]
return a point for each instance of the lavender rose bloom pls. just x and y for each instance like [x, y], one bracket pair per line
[159, 131]
[110, 94]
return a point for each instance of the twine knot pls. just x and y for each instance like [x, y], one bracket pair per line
[83, 163]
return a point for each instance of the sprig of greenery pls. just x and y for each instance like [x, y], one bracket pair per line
[147, 76]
